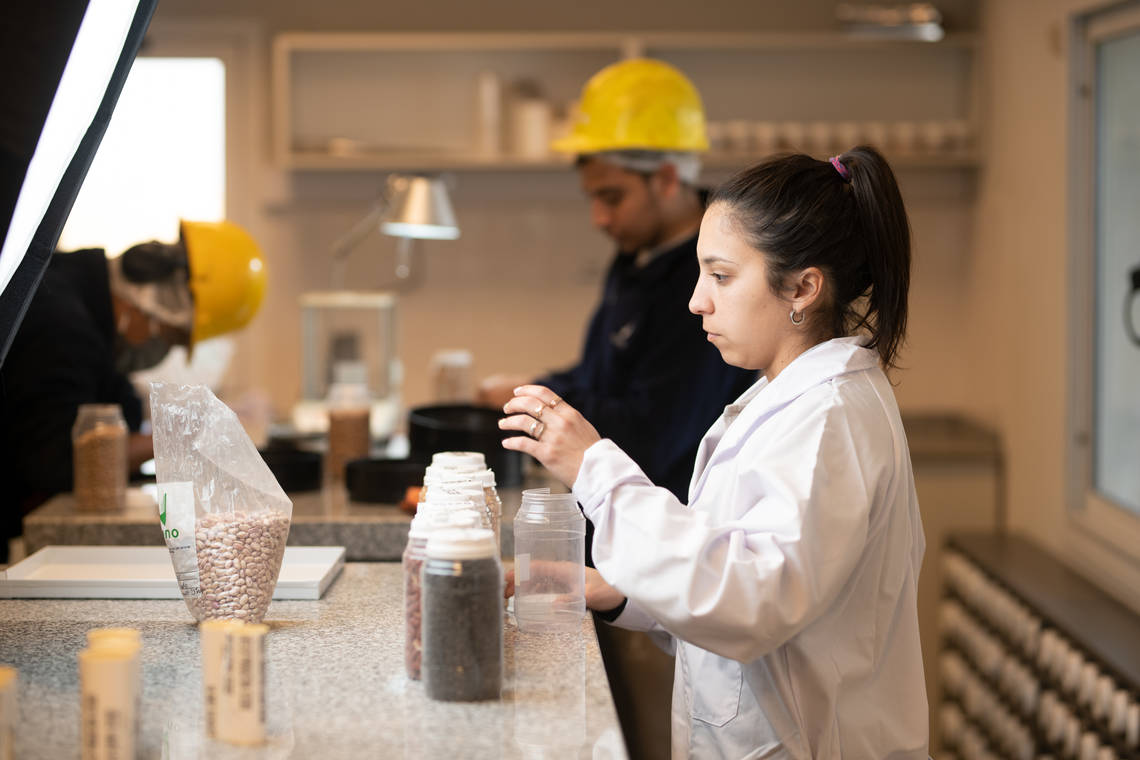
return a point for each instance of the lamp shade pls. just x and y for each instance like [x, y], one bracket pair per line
[419, 208]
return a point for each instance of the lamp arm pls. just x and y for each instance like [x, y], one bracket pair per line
[347, 242]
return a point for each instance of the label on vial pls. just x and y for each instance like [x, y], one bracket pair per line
[241, 712]
[522, 568]
[176, 513]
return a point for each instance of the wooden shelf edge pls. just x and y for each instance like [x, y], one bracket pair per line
[314, 161]
[598, 40]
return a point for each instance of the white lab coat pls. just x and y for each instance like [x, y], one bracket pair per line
[789, 582]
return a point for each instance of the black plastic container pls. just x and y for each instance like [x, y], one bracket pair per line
[294, 469]
[383, 481]
[463, 427]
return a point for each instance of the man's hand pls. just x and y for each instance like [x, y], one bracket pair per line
[497, 390]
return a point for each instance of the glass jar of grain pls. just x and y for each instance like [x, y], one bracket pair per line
[99, 457]
[349, 406]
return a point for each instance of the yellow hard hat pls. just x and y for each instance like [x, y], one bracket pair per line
[227, 277]
[637, 104]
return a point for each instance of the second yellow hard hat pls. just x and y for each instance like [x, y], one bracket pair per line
[227, 277]
[637, 104]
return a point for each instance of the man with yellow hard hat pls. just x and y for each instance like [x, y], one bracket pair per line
[94, 320]
[647, 378]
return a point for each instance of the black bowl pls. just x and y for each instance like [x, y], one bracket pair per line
[463, 427]
[294, 469]
[383, 481]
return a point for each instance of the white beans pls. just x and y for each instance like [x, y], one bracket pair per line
[239, 557]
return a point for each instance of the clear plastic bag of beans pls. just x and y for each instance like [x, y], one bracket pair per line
[223, 514]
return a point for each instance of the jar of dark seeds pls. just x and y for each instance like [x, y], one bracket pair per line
[99, 455]
[427, 519]
[462, 616]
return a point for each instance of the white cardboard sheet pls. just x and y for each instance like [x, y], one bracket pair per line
[145, 572]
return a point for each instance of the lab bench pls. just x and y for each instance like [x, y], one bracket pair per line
[335, 682]
[369, 532]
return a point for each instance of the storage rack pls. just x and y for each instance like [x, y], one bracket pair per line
[1036, 661]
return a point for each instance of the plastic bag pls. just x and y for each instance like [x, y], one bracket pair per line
[224, 516]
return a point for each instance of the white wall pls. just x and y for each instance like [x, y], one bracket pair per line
[518, 286]
[989, 297]
[1016, 315]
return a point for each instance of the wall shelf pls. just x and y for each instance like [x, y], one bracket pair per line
[400, 102]
[470, 162]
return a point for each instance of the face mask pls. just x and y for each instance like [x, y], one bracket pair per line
[132, 358]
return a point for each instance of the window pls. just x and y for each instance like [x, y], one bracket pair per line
[1105, 254]
[162, 159]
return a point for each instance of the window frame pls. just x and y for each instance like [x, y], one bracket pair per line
[1102, 518]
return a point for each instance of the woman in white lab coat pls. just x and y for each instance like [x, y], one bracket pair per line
[788, 583]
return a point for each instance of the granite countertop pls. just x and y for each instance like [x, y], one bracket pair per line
[378, 532]
[368, 532]
[336, 684]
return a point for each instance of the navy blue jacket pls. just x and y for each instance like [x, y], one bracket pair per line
[62, 356]
[648, 378]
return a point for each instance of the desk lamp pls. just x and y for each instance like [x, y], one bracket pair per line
[413, 206]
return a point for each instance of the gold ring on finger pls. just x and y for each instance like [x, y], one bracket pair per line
[538, 412]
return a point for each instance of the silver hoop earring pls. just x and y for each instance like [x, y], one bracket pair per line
[792, 316]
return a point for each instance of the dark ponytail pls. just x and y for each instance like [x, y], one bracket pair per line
[801, 212]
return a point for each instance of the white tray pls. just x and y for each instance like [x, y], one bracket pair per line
[145, 572]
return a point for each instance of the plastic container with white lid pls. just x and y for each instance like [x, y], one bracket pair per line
[466, 460]
[477, 485]
[423, 525]
[550, 562]
[462, 616]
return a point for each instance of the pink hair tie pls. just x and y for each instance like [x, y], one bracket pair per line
[839, 167]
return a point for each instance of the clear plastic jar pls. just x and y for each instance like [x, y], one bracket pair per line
[99, 457]
[462, 616]
[550, 554]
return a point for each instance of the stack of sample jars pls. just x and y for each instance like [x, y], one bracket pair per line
[464, 474]
[453, 582]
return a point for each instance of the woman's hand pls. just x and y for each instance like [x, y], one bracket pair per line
[554, 432]
[600, 596]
